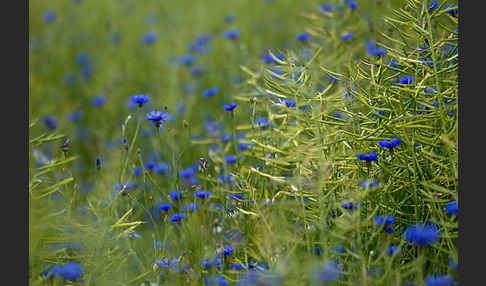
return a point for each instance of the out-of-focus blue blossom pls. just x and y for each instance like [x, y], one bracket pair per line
[228, 250]
[327, 7]
[232, 34]
[433, 5]
[347, 205]
[70, 79]
[368, 157]
[98, 100]
[368, 184]
[268, 59]
[393, 249]
[71, 271]
[261, 122]
[225, 137]
[202, 194]
[215, 280]
[165, 207]
[186, 173]
[230, 107]
[290, 102]
[422, 234]
[260, 278]
[452, 208]
[427, 62]
[86, 72]
[149, 38]
[347, 37]
[374, 50]
[229, 19]
[390, 143]
[438, 280]
[50, 122]
[140, 99]
[329, 272]
[243, 146]
[235, 196]
[190, 207]
[187, 60]
[176, 195]
[211, 92]
[49, 16]
[157, 118]
[161, 168]
[304, 37]
[452, 10]
[75, 116]
[405, 80]
[137, 171]
[177, 217]
[230, 159]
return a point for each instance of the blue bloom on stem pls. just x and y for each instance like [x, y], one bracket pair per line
[86, 72]
[177, 217]
[350, 205]
[137, 171]
[227, 250]
[427, 62]
[70, 79]
[373, 49]
[165, 207]
[390, 144]
[140, 99]
[187, 60]
[202, 194]
[268, 59]
[369, 185]
[75, 116]
[290, 102]
[225, 137]
[243, 146]
[422, 234]
[231, 34]
[176, 195]
[50, 122]
[229, 18]
[98, 100]
[210, 92]
[230, 159]
[49, 17]
[327, 7]
[352, 4]
[235, 196]
[304, 37]
[149, 38]
[387, 221]
[261, 122]
[230, 107]
[161, 168]
[83, 59]
[405, 80]
[393, 249]
[439, 280]
[368, 157]
[452, 208]
[157, 118]
[347, 37]
[70, 271]
[452, 10]
[433, 5]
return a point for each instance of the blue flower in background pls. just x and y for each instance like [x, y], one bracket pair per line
[161, 168]
[386, 221]
[137, 171]
[49, 16]
[304, 37]
[369, 185]
[165, 207]
[70, 271]
[243, 146]
[236, 266]
[225, 137]
[230, 159]
[427, 62]
[406, 80]
[176, 195]
[98, 100]
[230, 107]
[217, 280]
[393, 249]
[50, 122]
[227, 250]
[452, 10]
[229, 19]
[390, 144]
[149, 38]
[187, 60]
[177, 217]
[347, 37]
[232, 34]
[329, 272]
[374, 50]
[140, 99]
[422, 234]
[211, 92]
[326, 7]
[433, 5]
[261, 122]
[70, 79]
[235, 196]
[452, 208]
[439, 280]
[75, 116]
[268, 59]
[202, 194]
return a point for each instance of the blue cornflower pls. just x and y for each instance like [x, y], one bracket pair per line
[235, 266]
[210, 92]
[186, 173]
[133, 235]
[393, 249]
[217, 280]
[452, 208]
[243, 146]
[439, 280]
[227, 250]
[231, 34]
[268, 59]
[405, 80]
[230, 159]
[230, 107]
[86, 72]
[75, 116]
[352, 4]
[161, 168]
[140, 99]
[202, 194]
[369, 185]
[327, 7]
[187, 60]
[339, 248]
[229, 18]
[176, 195]
[433, 5]
[422, 234]
[290, 102]
[177, 217]
[368, 157]
[452, 12]
[191, 207]
[165, 207]
[350, 205]
[304, 37]
[83, 59]
[50, 122]
[50, 16]
[227, 179]
[261, 122]
[235, 196]
[166, 263]
[373, 49]
[137, 171]
[329, 272]
[390, 144]
[157, 118]
[70, 79]
[431, 90]
[225, 137]
[70, 271]
[347, 37]
[196, 71]
[150, 38]
[97, 163]
[386, 221]
[98, 100]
